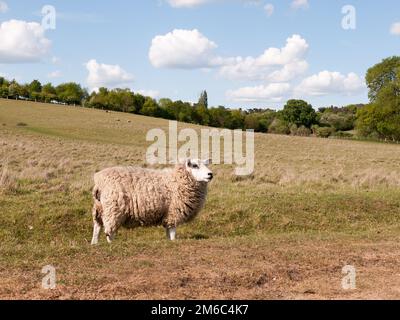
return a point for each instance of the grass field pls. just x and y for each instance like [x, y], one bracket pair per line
[311, 207]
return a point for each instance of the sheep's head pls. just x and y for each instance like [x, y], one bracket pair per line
[198, 169]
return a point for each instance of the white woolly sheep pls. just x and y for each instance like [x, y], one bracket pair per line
[133, 197]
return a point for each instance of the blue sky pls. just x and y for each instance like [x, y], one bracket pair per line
[177, 48]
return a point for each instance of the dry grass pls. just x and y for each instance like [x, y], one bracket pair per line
[8, 182]
[311, 206]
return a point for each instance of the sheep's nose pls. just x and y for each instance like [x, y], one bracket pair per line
[210, 175]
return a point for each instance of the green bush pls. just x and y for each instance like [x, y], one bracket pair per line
[301, 131]
[293, 130]
[340, 121]
[323, 132]
[278, 126]
[342, 134]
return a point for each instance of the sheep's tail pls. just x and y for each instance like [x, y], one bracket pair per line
[97, 207]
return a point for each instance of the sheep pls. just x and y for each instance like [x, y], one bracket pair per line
[133, 197]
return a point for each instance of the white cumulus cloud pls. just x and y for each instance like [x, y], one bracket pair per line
[395, 29]
[327, 82]
[189, 49]
[288, 72]
[274, 92]
[274, 65]
[3, 7]
[300, 4]
[22, 41]
[106, 75]
[182, 49]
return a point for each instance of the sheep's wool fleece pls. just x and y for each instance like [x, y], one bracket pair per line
[132, 196]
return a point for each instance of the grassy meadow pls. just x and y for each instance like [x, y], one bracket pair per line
[311, 207]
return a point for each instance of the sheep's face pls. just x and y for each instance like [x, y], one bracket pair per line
[199, 170]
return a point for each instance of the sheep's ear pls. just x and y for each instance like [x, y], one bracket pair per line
[189, 163]
[207, 162]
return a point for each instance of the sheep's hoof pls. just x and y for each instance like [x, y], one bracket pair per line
[171, 234]
[110, 238]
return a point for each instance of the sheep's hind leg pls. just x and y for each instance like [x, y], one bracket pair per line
[171, 233]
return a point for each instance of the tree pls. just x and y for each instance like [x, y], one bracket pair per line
[126, 100]
[266, 119]
[201, 115]
[382, 74]
[299, 112]
[219, 117]
[150, 108]
[120, 100]
[381, 119]
[24, 90]
[35, 88]
[259, 119]
[166, 108]
[203, 100]
[14, 89]
[252, 121]
[71, 93]
[4, 91]
[138, 102]
[48, 93]
[236, 120]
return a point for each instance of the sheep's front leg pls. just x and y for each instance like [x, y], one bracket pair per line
[96, 232]
[171, 233]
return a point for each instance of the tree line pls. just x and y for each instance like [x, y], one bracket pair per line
[67, 93]
[297, 118]
[380, 119]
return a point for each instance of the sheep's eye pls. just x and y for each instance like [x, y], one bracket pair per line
[195, 166]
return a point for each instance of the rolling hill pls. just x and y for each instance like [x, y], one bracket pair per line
[311, 207]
